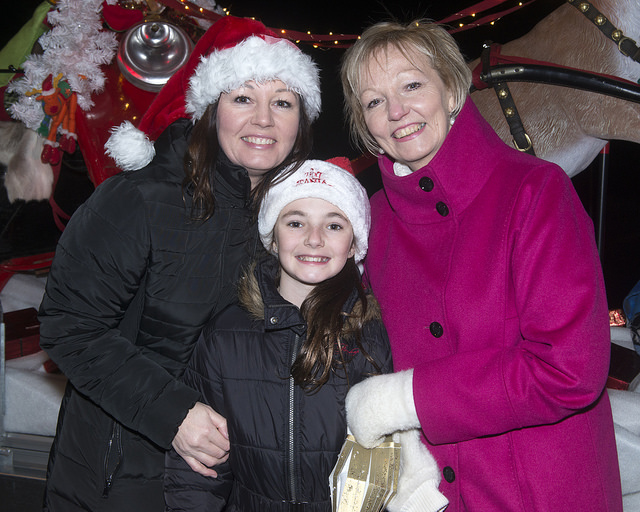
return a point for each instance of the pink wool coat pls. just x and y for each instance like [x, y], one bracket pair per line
[486, 269]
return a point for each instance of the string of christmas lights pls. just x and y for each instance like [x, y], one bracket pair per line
[489, 19]
[474, 10]
[331, 40]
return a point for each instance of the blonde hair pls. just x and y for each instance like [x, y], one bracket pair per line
[419, 41]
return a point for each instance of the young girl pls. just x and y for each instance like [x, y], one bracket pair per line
[278, 366]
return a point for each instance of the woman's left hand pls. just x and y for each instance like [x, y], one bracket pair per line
[202, 439]
[381, 405]
[419, 477]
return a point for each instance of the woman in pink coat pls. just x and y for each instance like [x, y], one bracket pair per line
[484, 263]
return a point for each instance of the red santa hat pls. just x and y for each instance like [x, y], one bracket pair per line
[232, 52]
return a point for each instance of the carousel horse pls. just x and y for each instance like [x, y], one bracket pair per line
[569, 126]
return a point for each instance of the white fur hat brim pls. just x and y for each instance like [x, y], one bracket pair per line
[257, 59]
[321, 180]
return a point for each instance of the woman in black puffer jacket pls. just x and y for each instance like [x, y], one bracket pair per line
[154, 254]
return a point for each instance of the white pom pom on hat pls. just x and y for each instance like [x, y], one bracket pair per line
[232, 52]
[136, 146]
[331, 180]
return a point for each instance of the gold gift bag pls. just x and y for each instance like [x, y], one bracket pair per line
[365, 480]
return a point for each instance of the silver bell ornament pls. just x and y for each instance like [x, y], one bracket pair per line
[151, 52]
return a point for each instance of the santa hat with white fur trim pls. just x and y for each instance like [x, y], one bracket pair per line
[331, 180]
[232, 52]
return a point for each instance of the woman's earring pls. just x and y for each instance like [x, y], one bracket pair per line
[452, 119]
[381, 151]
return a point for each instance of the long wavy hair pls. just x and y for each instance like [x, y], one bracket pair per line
[202, 154]
[329, 329]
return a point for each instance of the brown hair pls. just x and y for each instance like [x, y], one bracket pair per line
[329, 328]
[202, 154]
[421, 41]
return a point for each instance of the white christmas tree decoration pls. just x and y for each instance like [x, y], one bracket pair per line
[76, 47]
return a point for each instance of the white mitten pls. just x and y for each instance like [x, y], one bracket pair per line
[419, 478]
[381, 405]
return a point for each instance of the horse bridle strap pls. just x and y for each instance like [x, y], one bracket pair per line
[626, 45]
[521, 139]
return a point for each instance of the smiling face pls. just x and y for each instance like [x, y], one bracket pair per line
[406, 109]
[313, 240]
[257, 126]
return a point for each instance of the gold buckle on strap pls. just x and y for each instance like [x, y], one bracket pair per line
[529, 144]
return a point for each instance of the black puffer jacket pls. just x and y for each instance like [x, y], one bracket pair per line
[132, 284]
[284, 442]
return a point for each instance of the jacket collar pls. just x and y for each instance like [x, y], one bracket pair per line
[458, 171]
[232, 181]
[278, 312]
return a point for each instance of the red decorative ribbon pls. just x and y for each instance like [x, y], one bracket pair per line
[489, 18]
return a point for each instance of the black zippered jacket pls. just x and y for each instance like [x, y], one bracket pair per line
[133, 282]
[284, 441]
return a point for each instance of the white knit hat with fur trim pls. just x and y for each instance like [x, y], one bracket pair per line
[232, 52]
[331, 180]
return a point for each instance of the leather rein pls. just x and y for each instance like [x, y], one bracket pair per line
[497, 70]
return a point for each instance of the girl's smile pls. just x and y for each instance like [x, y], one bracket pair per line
[313, 240]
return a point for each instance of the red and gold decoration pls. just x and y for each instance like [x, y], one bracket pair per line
[59, 105]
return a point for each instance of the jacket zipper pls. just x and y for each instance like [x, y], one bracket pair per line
[114, 445]
[292, 474]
